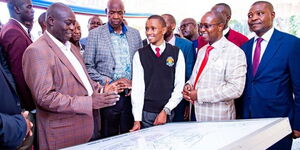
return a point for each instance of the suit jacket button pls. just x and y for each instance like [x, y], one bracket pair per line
[113, 68]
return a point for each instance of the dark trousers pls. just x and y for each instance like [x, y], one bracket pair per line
[117, 119]
[180, 110]
[283, 144]
[148, 118]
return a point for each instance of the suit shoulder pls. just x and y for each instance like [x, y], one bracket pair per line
[184, 41]
[287, 35]
[38, 46]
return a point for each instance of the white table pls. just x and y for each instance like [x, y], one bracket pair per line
[228, 135]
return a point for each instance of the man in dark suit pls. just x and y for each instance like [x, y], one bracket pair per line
[188, 51]
[232, 35]
[14, 126]
[273, 75]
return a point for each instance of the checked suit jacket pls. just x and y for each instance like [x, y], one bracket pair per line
[98, 55]
[222, 81]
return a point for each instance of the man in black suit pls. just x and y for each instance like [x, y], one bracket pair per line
[14, 125]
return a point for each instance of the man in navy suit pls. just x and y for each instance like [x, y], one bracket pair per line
[273, 75]
[188, 52]
[14, 126]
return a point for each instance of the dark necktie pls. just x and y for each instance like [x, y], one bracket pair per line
[203, 63]
[256, 56]
[157, 52]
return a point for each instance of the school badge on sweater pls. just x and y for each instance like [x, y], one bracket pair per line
[170, 61]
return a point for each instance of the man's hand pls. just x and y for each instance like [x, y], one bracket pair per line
[28, 122]
[113, 87]
[189, 93]
[136, 126]
[193, 95]
[127, 83]
[101, 100]
[296, 134]
[161, 118]
[124, 85]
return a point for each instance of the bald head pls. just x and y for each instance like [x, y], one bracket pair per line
[171, 25]
[115, 3]
[169, 18]
[21, 10]
[225, 10]
[268, 4]
[211, 26]
[115, 13]
[58, 10]
[217, 16]
[188, 28]
[42, 21]
[94, 22]
[60, 21]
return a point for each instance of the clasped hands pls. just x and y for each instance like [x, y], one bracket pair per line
[110, 96]
[189, 93]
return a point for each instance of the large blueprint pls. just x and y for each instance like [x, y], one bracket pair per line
[237, 134]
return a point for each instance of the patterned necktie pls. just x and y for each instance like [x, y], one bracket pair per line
[157, 52]
[203, 63]
[256, 56]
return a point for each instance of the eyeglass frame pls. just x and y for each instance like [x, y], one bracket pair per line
[206, 25]
[185, 25]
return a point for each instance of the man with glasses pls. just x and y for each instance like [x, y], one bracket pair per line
[219, 73]
[108, 58]
[231, 35]
[93, 23]
[189, 29]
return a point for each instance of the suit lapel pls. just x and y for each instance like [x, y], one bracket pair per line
[130, 43]
[107, 37]
[62, 57]
[21, 28]
[213, 57]
[79, 58]
[248, 53]
[271, 49]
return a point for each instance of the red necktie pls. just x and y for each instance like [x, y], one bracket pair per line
[203, 63]
[256, 56]
[157, 52]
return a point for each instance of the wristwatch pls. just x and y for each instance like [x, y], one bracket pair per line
[167, 110]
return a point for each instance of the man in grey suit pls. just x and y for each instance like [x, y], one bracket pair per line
[108, 58]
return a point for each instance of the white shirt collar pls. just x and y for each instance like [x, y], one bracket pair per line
[226, 31]
[172, 40]
[266, 36]
[62, 46]
[162, 47]
[24, 27]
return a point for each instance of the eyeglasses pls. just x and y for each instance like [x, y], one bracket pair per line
[185, 25]
[206, 25]
[96, 23]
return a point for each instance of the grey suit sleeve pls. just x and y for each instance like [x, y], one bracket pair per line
[12, 130]
[89, 56]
